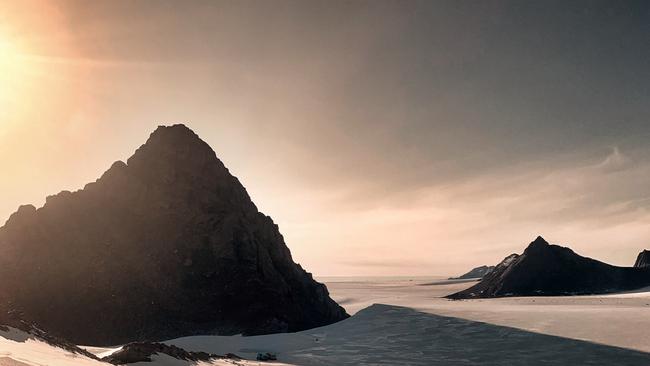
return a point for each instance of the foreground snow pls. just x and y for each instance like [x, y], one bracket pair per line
[420, 328]
[20, 349]
[391, 335]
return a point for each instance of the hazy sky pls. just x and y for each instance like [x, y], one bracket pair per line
[384, 137]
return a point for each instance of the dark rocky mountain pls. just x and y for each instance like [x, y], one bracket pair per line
[643, 260]
[168, 244]
[545, 270]
[478, 272]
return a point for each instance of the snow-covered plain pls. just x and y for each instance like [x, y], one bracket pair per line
[416, 326]
[621, 320]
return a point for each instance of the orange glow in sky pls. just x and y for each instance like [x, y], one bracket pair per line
[382, 140]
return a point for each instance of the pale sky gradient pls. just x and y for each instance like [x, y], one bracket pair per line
[384, 137]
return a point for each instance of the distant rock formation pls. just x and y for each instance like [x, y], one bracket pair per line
[544, 270]
[168, 244]
[643, 260]
[478, 272]
[143, 351]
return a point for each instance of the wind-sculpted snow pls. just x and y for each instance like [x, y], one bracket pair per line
[393, 335]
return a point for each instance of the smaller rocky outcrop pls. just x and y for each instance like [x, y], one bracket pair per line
[142, 352]
[545, 269]
[643, 259]
[478, 272]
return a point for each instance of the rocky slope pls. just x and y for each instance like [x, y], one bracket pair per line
[478, 272]
[142, 352]
[544, 269]
[14, 327]
[165, 245]
[643, 259]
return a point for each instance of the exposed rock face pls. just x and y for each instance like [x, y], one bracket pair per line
[544, 270]
[142, 352]
[28, 330]
[478, 272]
[168, 244]
[643, 260]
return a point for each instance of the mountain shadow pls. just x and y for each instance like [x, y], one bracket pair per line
[395, 335]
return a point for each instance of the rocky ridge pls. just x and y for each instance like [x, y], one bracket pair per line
[544, 269]
[478, 272]
[164, 245]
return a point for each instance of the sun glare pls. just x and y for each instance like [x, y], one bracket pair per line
[13, 82]
[8, 55]
[13, 70]
[8, 66]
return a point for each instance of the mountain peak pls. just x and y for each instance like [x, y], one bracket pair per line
[176, 152]
[165, 245]
[177, 130]
[175, 137]
[538, 242]
[643, 260]
[539, 246]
